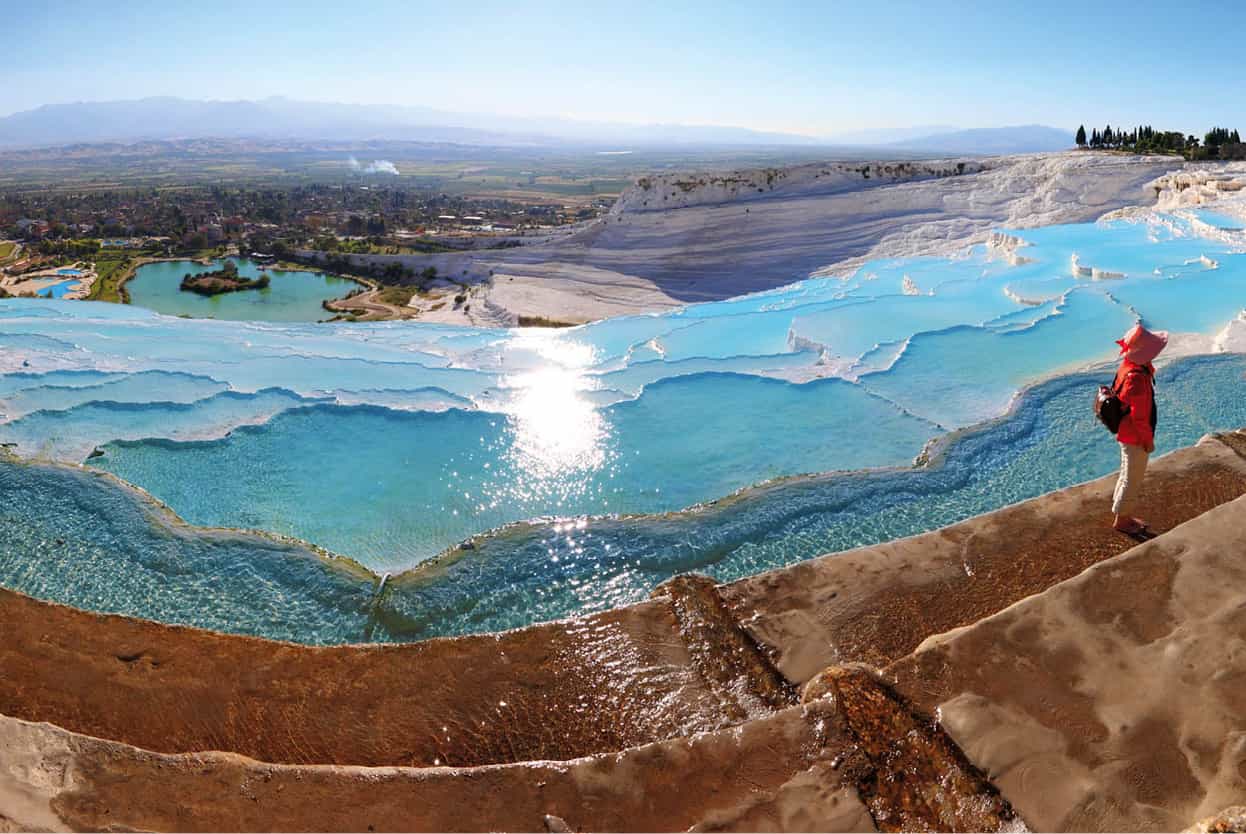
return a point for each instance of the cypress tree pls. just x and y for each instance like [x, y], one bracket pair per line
[1081, 136]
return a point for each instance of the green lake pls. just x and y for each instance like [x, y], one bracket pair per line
[291, 296]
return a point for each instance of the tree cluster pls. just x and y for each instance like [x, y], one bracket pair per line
[1218, 143]
[391, 274]
[1222, 143]
[223, 280]
[73, 248]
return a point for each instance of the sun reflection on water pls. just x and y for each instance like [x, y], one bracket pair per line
[559, 437]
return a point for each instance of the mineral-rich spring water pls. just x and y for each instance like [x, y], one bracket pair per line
[580, 466]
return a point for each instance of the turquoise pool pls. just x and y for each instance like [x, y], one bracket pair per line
[74, 536]
[59, 289]
[570, 459]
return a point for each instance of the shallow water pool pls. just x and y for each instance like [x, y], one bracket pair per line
[74, 536]
[568, 458]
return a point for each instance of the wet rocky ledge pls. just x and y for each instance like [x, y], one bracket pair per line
[1029, 667]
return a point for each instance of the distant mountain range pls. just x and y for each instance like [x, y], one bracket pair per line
[281, 118]
[888, 135]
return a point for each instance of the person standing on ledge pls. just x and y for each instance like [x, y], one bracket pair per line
[1135, 385]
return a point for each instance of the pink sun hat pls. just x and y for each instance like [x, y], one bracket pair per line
[1141, 346]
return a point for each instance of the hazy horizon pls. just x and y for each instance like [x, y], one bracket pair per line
[797, 69]
[867, 135]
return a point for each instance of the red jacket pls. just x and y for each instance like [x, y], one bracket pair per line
[1137, 390]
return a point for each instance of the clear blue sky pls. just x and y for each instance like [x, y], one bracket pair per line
[817, 68]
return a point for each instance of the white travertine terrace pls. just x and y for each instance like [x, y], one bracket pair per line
[725, 238]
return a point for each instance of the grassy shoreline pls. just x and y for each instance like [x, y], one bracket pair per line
[112, 274]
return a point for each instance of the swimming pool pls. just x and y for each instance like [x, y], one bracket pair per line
[568, 458]
[60, 289]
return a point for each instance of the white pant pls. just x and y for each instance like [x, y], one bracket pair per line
[1129, 484]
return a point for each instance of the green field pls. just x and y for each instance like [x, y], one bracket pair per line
[111, 269]
[398, 296]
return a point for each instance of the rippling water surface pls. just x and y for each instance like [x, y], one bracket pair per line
[392, 443]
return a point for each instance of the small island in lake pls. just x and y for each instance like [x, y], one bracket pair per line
[223, 280]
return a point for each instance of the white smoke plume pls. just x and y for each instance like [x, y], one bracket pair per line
[379, 166]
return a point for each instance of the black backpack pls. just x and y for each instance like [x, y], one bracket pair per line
[1109, 407]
